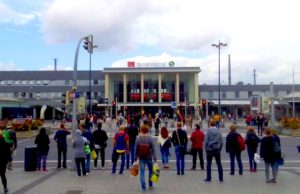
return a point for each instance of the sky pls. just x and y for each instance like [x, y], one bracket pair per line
[261, 35]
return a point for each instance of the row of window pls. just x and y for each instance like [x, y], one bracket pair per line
[237, 94]
[51, 82]
[50, 95]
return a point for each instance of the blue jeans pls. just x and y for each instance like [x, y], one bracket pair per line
[88, 162]
[164, 155]
[116, 161]
[252, 163]
[130, 155]
[239, 161]
[179, 160]
[41, 157]
[217, 156]
[142, 172]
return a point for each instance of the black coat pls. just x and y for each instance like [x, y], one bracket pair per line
[42, 141]
[232, 144]
[100, 138]
[4, 151]
[252, 141]
[267, 149]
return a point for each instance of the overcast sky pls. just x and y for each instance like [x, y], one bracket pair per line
[261, 34]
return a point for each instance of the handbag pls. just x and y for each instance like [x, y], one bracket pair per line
[87, 149]
[94, 155]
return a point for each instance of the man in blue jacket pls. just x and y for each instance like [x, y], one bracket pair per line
[213, 145]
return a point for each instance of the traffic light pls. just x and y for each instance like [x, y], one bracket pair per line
[88, 44]
[65, 98]
[114, 103]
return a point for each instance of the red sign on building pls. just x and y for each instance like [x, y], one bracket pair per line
[131, 64]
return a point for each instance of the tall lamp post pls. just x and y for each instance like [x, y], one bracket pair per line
[219, 45]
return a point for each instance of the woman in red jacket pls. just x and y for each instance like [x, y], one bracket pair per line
[197, 139]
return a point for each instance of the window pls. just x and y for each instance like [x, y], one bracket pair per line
[9, 82]
[249, 94]
[31, 82]
[210, 94]
[45, 82]
[66, 82]
[237, 94]
[2, 82]
[38, 82]
[223, 94]
[24, 82]
[17, 82]
[95, 82]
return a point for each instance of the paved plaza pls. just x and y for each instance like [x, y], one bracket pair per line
[103, 182]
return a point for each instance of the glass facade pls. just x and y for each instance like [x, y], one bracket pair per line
[168, 82]
[133, 88]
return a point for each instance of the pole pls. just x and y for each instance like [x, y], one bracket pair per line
[293, 93]
[74, 116]
[219, 83]
[272, 105]
[185, 108]
[90, 85]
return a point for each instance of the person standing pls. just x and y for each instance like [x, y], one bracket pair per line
[268, 155]
[5, 156]
[132, 132]
[213, 145]
[100, 137]
[13, 146]
[252, 141]
[197, 139]
[60, 138]
[165, 143]
[180, 140]
[145, 152]
[42, 141]
[156, 124]
[233, 148]
[121, 145]
[79, 154]
[87, 133]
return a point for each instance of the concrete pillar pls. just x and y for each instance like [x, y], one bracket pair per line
[142, 88]
[125, 87]
[106, 95]
[159, 87]
[196, 95]
[177, 88]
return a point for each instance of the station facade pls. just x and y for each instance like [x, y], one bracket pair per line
[151, 89]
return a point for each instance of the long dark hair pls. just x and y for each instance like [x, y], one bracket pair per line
[42, 131]
[164, 132]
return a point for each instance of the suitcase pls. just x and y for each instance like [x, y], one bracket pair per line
[30, 159]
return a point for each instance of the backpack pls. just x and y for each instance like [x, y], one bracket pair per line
[120, 142]
[241, 142]
[144, 150]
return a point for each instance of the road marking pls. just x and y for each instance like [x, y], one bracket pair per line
[172, 161]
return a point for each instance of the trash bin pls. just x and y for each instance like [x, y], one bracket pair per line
[30, 159]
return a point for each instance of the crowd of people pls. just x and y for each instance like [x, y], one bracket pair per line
[134, 144]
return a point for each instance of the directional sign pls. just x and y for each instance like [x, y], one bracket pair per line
[173, 104]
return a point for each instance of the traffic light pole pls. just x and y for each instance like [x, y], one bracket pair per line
[90, 84]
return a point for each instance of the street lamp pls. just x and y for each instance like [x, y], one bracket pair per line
[219, 45]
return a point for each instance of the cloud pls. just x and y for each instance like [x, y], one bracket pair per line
[59, 67]
[10, 66]
[242, 65]
[8, 15]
